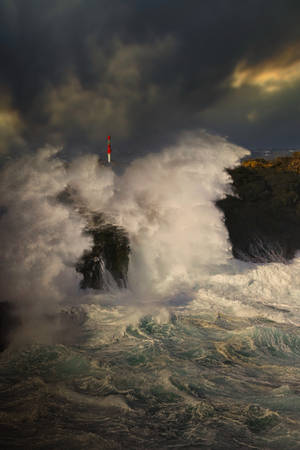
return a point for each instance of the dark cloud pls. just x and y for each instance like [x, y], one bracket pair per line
[73, 71]
[260, 121]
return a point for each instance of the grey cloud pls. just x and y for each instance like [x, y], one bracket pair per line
[256, 119]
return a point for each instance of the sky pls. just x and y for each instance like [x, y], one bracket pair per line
[74, 71]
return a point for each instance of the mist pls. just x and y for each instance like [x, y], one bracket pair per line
[40, 241]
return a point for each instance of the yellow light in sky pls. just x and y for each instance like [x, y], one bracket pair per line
[270, 76]
[8, 119]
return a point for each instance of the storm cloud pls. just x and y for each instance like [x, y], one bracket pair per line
[73, 71]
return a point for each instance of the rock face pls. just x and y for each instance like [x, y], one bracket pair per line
[107, 261]
[263, 215]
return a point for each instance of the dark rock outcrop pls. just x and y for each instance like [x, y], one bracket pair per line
[109, 255]
[263, 215]
[107, 261]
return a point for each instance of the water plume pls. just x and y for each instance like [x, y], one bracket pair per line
[165, 202]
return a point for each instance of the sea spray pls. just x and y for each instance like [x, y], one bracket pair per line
[41, 240]
[166, 204]
[180, 251]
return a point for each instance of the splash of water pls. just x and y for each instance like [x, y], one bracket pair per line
[165, 202]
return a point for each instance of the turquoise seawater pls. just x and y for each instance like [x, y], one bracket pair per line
[193, 381]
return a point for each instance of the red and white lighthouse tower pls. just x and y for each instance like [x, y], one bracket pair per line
[108, 149]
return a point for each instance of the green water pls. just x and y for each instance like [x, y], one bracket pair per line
[187, 383]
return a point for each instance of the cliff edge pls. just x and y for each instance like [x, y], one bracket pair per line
[263, 213]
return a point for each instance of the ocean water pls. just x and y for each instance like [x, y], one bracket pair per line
[199, 351]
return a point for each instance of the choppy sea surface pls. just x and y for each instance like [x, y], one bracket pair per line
[193, 381]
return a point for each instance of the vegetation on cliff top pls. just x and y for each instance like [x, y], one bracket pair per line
[280, 164]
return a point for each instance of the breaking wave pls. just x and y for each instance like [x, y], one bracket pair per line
[180, 250]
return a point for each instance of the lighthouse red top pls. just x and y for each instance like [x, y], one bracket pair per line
[108, 145]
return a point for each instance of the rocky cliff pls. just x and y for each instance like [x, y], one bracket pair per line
[263, 213]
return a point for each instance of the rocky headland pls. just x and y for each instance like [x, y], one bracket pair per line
[263, 213]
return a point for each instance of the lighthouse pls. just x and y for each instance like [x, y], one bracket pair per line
[108, 149]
